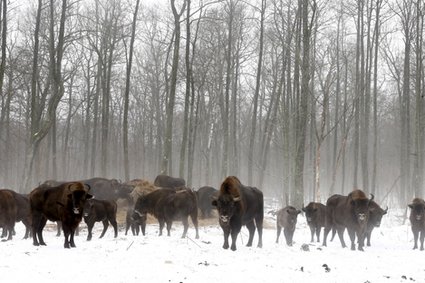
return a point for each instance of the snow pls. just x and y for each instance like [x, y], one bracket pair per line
[172, 259]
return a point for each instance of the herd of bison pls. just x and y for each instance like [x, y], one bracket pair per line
[168, 199]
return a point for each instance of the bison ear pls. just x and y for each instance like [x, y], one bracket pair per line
[303, 209]
[89, 196]
[298, 211]
[410, 205]
[386, 210]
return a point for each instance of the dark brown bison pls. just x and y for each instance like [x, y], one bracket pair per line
[8, 212]
[417, 221]
[287, 219]
[375, 217]
[63, 203]
[169, 205]
[351, 212]
[165, 181]
[96, 210]
[315, 213]
[205, 196]
[23, 212]
[239, 205]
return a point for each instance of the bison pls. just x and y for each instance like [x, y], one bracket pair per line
[96, 210]
[287, 219]
[375, 217]
[205, 195]
[315, 214]
[417, 221]
[63, 203]
[136, 225]
[168, 205]
[8, 212]
[239, 205]
[23, 212]
[351, 212]
[165, 181]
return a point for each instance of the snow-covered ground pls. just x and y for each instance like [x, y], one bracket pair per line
[152, 258]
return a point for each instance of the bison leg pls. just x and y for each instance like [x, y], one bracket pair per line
[368, 234]
[185, 222]
[4, 233]
[90, 225]
[105, 227]
[39, 221]
[279, 230]
[135, 229]
[415, 238]
[340, 231]
[234, 236]
[422, 237]
[115, 225]
[59, 228]
[226, 233]
[71, 238]
[251, 228]
[143, 227]
[194, 217]
[352, 235]
[289, 234]
[66, 234]
[161, 226]
[318, 229]
[259, 224]
[169, 224]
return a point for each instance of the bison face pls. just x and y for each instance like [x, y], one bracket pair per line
[418, 211]
[361, 210]
[310, 213]
[375, 216]
[227, 206]
[88, 209]
[140, 209]
[77, 199]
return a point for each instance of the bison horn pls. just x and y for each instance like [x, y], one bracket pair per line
[236, 199]
[88, 187]
[386, 209]
[74, 186]
[372, 196]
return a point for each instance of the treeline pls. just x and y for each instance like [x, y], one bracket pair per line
[301, 98]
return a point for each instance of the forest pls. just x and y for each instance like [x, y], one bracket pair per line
[300, 98]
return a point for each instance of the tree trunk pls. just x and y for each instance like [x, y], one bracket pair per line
[255, 98]
[127, 94]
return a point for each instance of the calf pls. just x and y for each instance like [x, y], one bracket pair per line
[417, 221]
[315, 214]
[100, 210]
[135, 224]
[287, 219]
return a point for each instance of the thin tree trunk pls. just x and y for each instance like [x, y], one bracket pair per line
[256, 94]
[127, 94]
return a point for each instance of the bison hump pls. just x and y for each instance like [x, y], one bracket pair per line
[231, 186]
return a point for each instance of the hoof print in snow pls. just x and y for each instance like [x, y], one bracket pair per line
[302, 268]
[327, 269]
[305, 247]
[204, 263]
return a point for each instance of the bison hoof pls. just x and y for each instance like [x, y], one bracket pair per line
[225, 246]
[233, 248]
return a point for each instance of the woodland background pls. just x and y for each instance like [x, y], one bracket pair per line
[301, 98]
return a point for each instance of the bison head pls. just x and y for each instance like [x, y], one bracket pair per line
[140, 208]
[77, 194]
[310, 212]
[418, 209]
[227, 205]
[375, 215]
